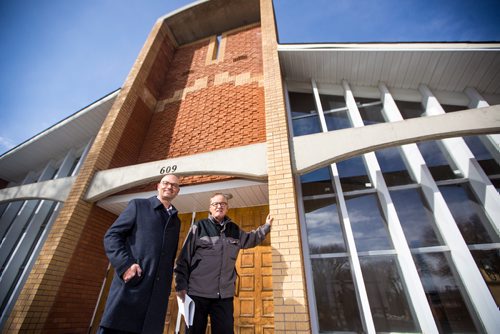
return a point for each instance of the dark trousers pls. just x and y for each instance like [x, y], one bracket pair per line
[221, 315]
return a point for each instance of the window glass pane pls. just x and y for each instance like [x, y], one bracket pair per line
[335, 119]
[468, 214]
[452, 108]
[352, 173]
[371, 114]
[496, 184]
[436, 162]
[336, 300]
[482, 155]
[488, 262]
[393, 167]
[305, 118]
[306, 126]
[410, 109]
[416, 218]
[332, 102]
[324, 232]
[317, 182]
[388, 302]
[444, 295]
[368, 225]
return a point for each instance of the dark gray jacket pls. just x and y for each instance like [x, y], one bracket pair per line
[144, 233]
[206, 265]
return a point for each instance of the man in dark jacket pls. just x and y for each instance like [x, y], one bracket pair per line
[141, 246]
[205, 268]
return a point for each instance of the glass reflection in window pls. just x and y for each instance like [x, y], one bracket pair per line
[352, 173]
[335, 111]
[388, 303]
[318, 182]
[468, 214]
[370, 110]
[324, 232]
[336, 300]
[393, 167]
[482, 155]
[416, 218]
[448, 108]
[368, 224]
[305, 119]
[410, 109]
[436, 162]
[488, 262]
[444, 294]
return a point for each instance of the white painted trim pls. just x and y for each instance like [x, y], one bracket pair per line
[245, 161]
[462, 47]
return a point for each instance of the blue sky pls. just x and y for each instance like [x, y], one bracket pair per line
[58, 56]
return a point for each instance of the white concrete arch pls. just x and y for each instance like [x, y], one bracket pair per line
[322, 149]
[246, 161]
[53, 190]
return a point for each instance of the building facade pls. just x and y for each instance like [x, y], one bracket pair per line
[379, 162]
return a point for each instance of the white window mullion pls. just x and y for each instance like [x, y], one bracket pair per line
[492, 142]
[66, 164]
[459, 152]
[409, 273]
[83, 156]
[13, 208]
[448, 229]
[357, 274]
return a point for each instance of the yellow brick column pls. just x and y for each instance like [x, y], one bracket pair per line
[35, 301]
[290, 299]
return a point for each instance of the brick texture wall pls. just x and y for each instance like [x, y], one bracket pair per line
[72, 308]
[215, 113]
[291, 314]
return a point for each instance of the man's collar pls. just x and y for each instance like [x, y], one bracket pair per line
[158, 204]
[215, 221]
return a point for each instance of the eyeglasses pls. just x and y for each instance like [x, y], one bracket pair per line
[173, 185]
[222, 204]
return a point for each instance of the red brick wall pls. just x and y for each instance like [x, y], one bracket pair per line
[136, 129]
[132, 138]
[156, 77]
[216, 116]
[76, 299]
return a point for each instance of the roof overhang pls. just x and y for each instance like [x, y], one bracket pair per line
[74, 132]
[206, 18]
[448, 67]
[195, 198]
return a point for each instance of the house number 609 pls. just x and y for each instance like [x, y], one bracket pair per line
[168, 169]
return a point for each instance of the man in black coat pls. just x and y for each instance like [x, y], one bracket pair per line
[141, 246]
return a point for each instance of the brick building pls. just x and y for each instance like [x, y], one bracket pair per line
[379, 162]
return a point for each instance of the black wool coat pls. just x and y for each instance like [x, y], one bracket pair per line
[146, 234]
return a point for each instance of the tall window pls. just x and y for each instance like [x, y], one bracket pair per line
[342, 199]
